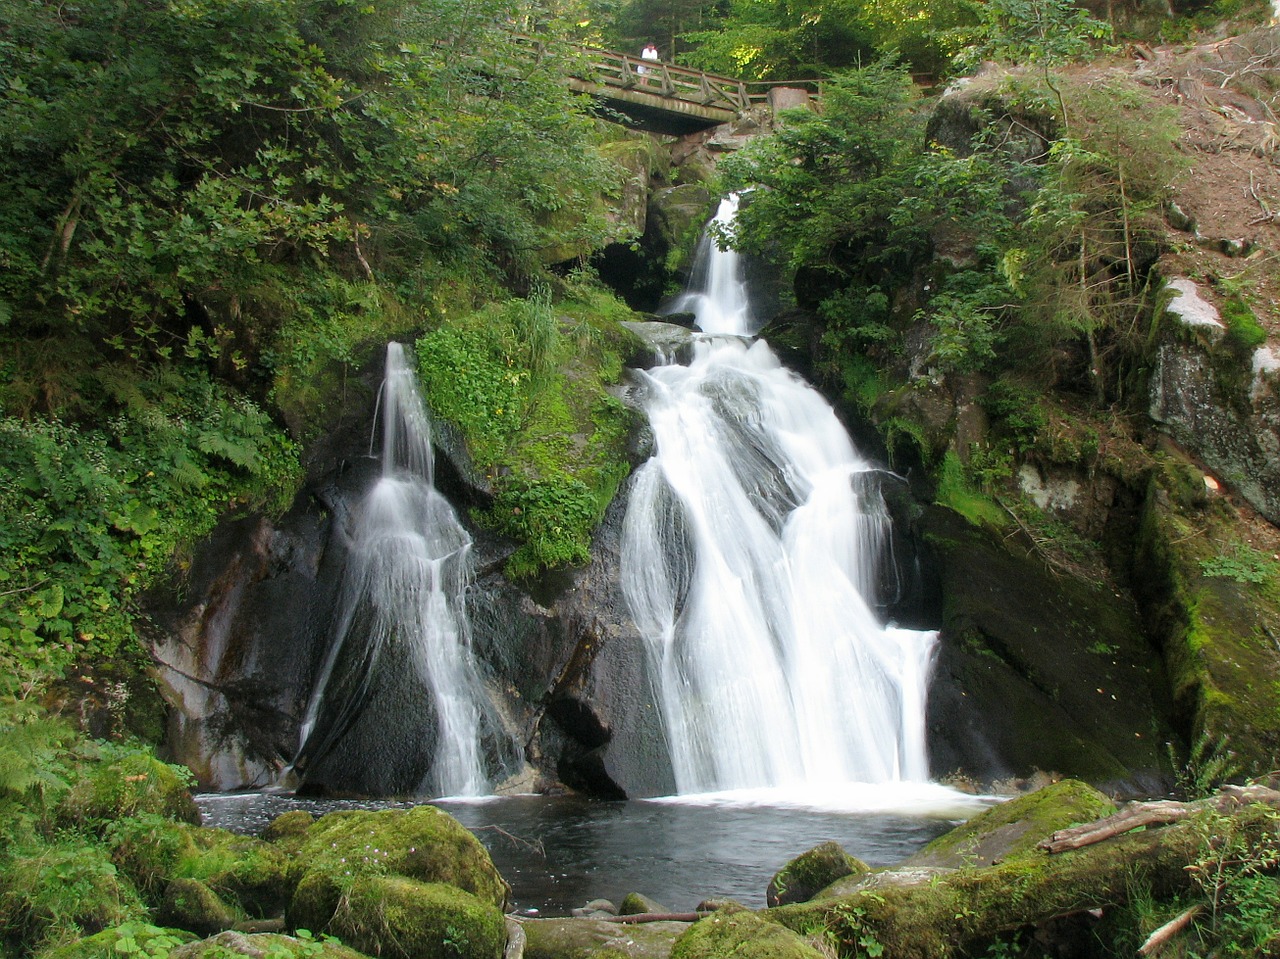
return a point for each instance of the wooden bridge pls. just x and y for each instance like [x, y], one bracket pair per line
[657, 96]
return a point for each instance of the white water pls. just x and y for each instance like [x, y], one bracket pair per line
[717, 294]
[751, 547]
[402, 596]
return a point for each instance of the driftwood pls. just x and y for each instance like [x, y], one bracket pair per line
[1161, 812]
[658, 917]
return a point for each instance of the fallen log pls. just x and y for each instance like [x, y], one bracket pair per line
[1161, 812]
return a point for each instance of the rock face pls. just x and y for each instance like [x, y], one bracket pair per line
[1066, 667]
[1218, 395]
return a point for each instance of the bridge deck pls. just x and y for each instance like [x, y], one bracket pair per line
[658, 96]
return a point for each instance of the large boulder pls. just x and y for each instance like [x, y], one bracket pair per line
[1039, 672]
[1215, 388]
[423, 843]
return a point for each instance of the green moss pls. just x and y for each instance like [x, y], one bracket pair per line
[1013, 829]
[741, 935]
[131, 939]
[190, 904]
[810, 873]
[422, 843]
[402, 918]
[1214, 631]
[956, 493]
[126, 784]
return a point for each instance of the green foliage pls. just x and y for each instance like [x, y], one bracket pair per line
[524, 381]
[1039, 31]
[1236, 874]
[93, 516]
[1244, 565]
[1016, 412]
[1208, 764]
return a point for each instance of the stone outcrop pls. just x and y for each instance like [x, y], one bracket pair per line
[1216, 390]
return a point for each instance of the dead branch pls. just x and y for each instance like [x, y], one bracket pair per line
[1158, 939]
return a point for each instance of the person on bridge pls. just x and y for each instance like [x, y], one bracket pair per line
[650, 52]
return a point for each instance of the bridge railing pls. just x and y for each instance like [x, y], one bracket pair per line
[661, 79]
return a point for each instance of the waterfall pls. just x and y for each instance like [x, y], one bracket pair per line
[752, 546]
[402, 616]
[717, 294]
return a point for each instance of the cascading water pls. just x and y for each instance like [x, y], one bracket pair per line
[402, 617]
[752, 546]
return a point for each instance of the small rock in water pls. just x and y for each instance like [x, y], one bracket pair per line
[596, 909]
[638, 904]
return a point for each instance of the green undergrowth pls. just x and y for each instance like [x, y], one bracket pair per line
[90, 516]
[525, 381]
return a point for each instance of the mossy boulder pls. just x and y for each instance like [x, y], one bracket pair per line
[190, 904]
[599, 939]
[809, 873]
[741, 935]
[289, 830]
[422, 843]
[1012, 829]
[133, 783]
[126, 940]
[401, 918]
[253, 873]
[149, 848]
[46, 889]
[260, 945]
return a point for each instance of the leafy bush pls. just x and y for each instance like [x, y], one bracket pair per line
[91, 517]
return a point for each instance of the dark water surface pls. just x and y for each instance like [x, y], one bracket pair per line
[560, 853]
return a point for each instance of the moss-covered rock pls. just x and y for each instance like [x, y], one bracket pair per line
[741, 935]
[1216, 628]
[135, 782]
[190, 904]
[148, 849]
[402, 918]
[638, 904]
[253, 873]
[422, 843]
[289, 829]
[50, 890]
[809, 873]
[128, 940]
[261, 945]
[599, 939]
[1012, 829]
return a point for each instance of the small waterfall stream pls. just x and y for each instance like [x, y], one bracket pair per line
[402, 617]
[752, 547]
